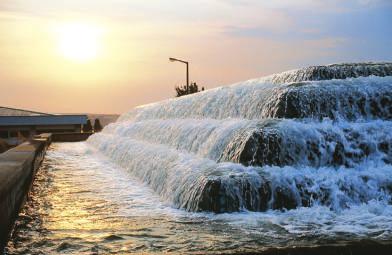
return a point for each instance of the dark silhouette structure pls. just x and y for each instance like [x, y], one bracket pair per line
[18, 123]
[186, 90]
[97, 125]
[87, 127]
[3, 146]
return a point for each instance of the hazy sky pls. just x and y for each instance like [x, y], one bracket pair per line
[106, 56]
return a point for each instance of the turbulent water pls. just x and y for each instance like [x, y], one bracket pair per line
[333, 71]
[308, 137]
[352, 99]
[298, 158]
[82, 203]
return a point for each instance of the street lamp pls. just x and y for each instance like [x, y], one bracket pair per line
[187, 70]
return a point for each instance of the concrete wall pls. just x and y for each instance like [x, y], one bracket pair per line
[17, 169]
[13, 132]
[70, 137]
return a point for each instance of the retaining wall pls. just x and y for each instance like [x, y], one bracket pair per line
[17, 169]
[70, 137]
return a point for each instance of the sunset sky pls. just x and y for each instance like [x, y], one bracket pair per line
[106, 56]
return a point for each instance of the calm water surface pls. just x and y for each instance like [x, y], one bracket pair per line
[83, 204]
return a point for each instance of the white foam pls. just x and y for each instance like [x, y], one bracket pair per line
[107, 181]
[257, 99]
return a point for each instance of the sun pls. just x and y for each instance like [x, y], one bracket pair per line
[79, 41]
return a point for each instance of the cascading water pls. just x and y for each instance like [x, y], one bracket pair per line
[309, 137]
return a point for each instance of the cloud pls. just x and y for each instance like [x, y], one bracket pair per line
[370, 24]
[312, 5]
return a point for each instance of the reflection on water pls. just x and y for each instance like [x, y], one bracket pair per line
[83, 204]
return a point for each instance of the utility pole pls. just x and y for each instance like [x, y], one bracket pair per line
[187, 70]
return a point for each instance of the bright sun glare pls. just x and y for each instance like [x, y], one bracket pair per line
[79, 41]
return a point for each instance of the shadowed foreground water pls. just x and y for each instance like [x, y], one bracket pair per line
[83, 204]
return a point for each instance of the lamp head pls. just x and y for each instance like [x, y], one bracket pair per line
[172, 59]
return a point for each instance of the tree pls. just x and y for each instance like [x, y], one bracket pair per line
[87, 127]
[182, 90]
[97, 125]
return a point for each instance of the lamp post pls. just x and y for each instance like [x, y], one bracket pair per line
[187, 70]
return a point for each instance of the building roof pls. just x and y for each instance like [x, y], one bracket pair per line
[43, 120]
[8, 111]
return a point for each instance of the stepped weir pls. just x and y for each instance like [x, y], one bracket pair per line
[313, 136]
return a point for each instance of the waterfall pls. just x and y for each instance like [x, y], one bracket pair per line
[313, 136]
[334, 71]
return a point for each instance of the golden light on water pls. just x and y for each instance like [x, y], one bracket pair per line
[79, 41]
